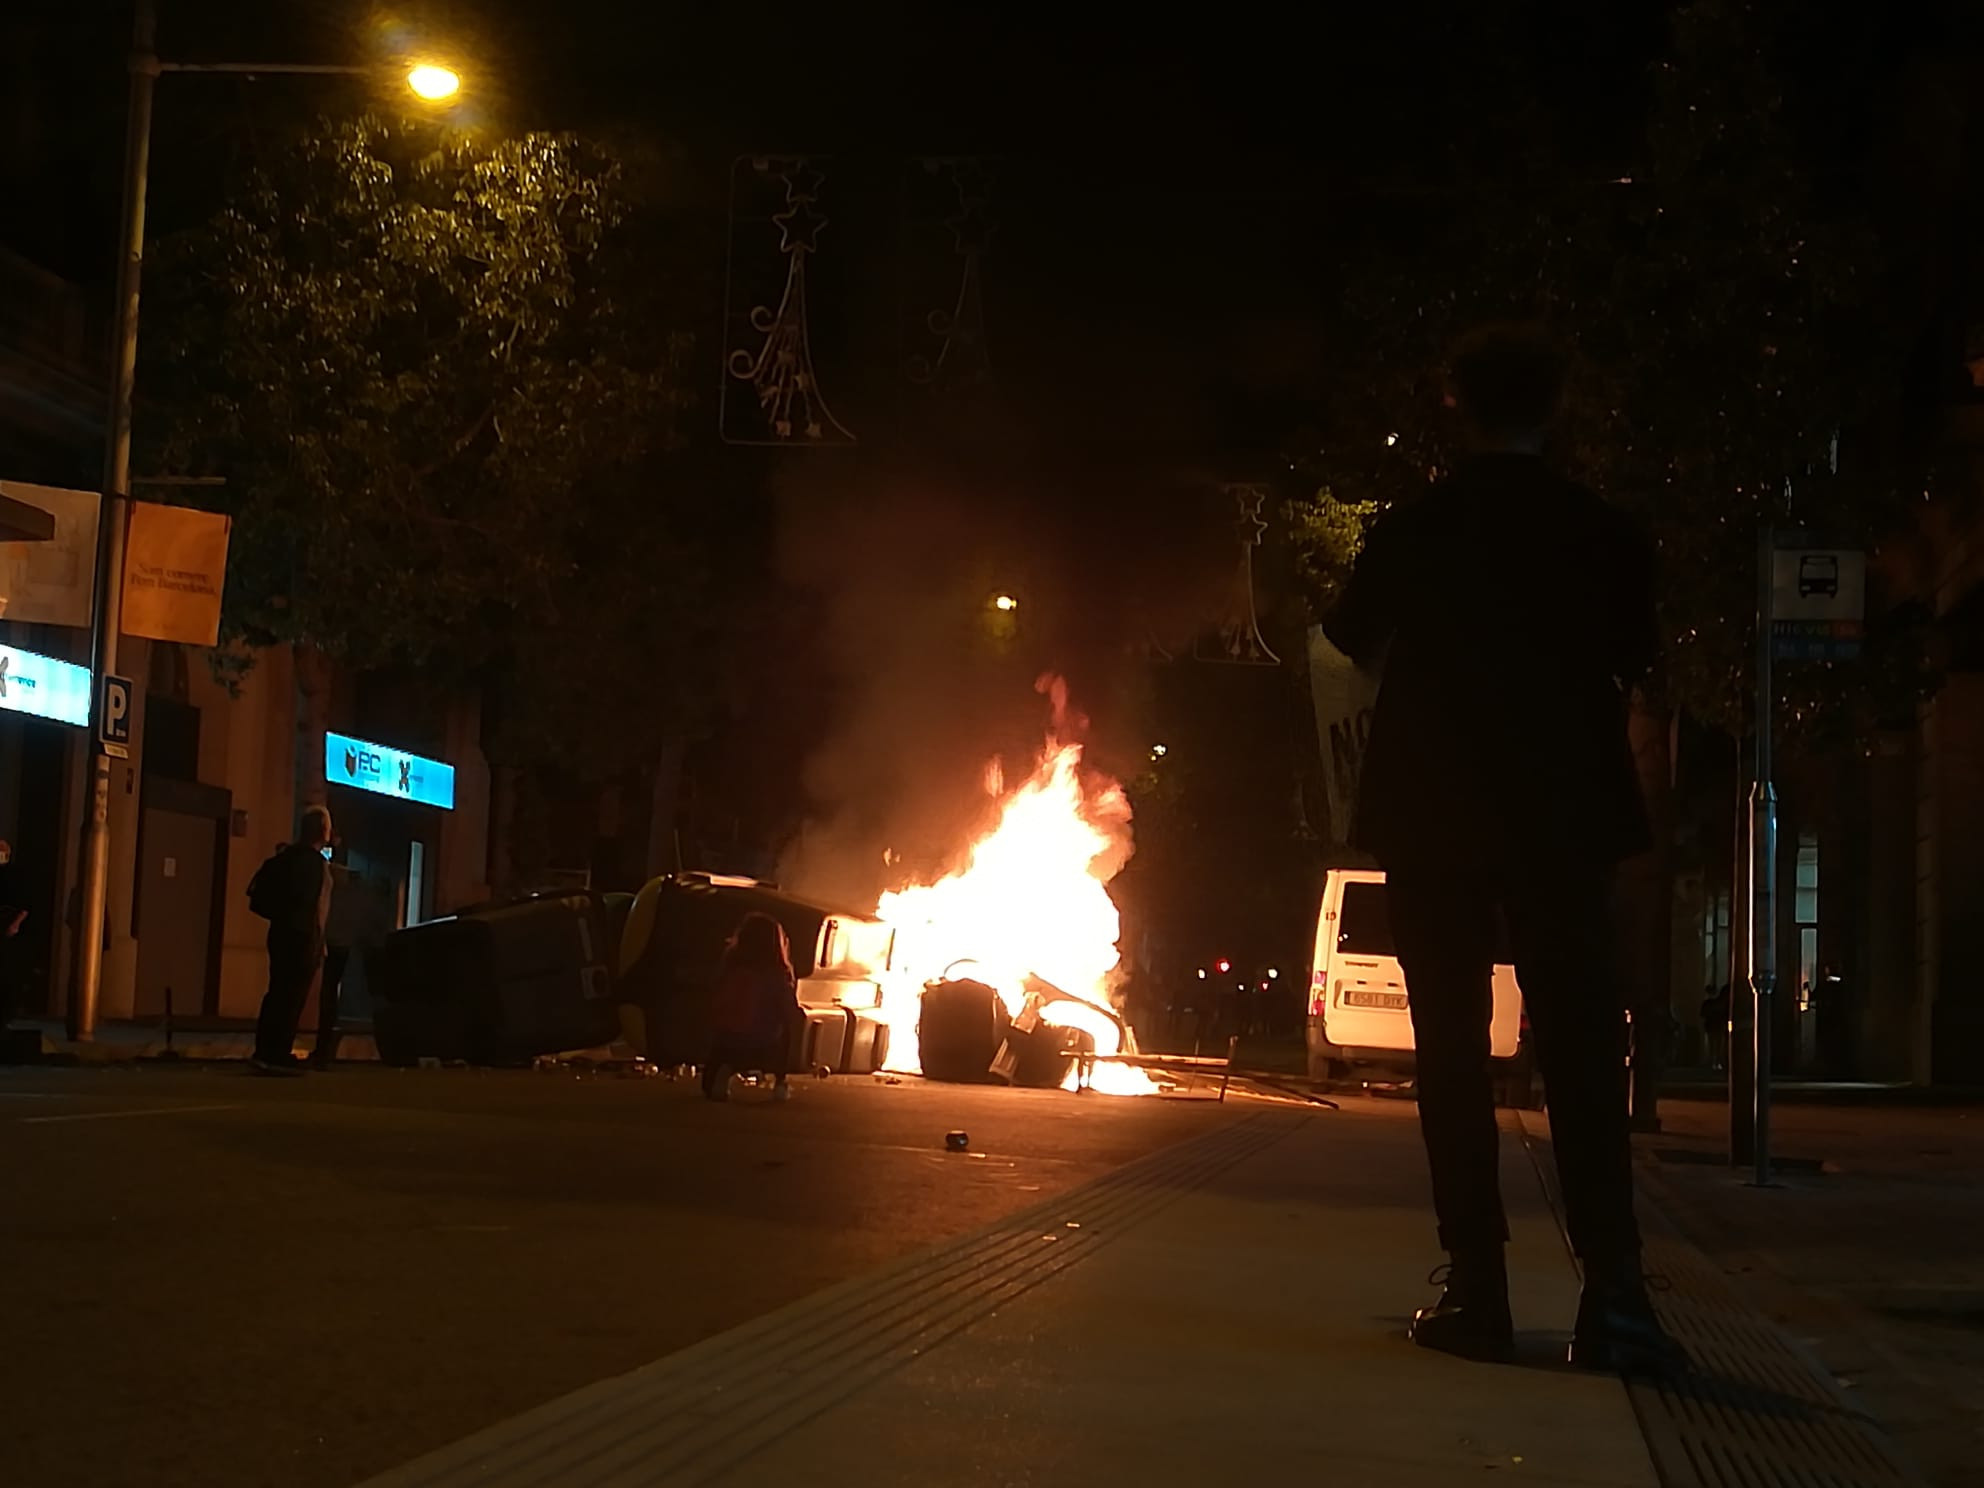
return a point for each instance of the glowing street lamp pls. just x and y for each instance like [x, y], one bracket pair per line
[1005, 602]
[433, 82]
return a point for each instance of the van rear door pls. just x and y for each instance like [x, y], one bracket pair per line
[1357, 992]
[1363, 997]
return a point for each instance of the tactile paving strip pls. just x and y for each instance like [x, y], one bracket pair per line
[694, 1415]
[1758, 1412]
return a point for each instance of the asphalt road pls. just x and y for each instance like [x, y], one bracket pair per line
[219, 1280]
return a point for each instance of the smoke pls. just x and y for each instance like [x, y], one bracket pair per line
[932, 678]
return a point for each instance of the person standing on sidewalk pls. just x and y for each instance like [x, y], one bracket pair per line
[1512, 611]
[292, 891]
[341, 930]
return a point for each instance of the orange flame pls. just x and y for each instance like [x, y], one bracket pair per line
[1030, 901]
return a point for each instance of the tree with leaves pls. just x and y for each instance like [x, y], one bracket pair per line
[412, 356]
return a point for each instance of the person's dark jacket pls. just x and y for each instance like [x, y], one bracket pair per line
[1511, 610]
[754, 1003]
[303, 894]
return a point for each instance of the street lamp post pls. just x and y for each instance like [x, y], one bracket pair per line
[429, 81]
[107, 612]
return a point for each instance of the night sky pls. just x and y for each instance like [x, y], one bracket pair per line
[1207, 116]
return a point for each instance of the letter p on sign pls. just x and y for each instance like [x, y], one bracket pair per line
[114, 717]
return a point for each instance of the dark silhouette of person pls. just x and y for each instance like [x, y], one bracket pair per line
[756, 1014]
[341, 931]
[1835, 1019]
[1511, 610]
[1715, 1025]
[300, 898]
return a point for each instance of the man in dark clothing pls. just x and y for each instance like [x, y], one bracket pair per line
[340, 936]
[298, 897]
[1512, 610]
[1715, 1025]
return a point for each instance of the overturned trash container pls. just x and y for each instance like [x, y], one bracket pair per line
[1041, 1055]
[671, 953]
[960, 1030]
[499, 984]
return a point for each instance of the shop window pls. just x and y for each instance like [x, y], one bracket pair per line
[1805, 910]
[1715, 940]
[1805, 894]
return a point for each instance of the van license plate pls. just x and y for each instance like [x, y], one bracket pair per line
[1359, 998]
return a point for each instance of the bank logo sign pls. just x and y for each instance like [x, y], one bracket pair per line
[388, 772]
[43, 687]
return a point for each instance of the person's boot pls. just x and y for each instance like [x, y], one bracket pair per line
[1617, 1331]
[1471, 1319]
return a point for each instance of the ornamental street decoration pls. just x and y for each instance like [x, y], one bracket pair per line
[771, 393]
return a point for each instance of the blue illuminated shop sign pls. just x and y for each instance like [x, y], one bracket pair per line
[388, 772]
[43, 687]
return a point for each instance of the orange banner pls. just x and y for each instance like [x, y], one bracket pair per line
[175, 565]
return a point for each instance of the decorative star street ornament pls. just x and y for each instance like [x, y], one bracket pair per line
[1238, 640]
[1249, 500]
[799, 226]
[779, 368]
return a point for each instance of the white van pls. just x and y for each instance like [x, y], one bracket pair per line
[1358, 1017]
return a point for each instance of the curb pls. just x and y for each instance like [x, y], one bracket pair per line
[197, 1049]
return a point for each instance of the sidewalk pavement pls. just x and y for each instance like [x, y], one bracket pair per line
[1229, 1309]
[1865, 1248]
[207, 1039]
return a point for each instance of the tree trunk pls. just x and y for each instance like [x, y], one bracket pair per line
[313, 714]
[663, 802]
[1646, 907]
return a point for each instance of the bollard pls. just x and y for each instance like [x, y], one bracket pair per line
[169, 1052]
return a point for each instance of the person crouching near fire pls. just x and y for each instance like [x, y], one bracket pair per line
[754, 1020]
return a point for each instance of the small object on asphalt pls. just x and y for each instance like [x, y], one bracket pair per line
[958, 1141]
[886, 1079]
[428, 1061]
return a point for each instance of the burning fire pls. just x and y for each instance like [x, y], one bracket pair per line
[1029, 902]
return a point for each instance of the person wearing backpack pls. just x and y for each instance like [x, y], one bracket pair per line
[292, 891]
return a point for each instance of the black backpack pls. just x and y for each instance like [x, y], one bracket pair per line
[267, 891]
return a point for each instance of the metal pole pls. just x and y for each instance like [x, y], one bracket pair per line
[1736, 1051]
[1763, 875]
[107, 616]
[269, 69]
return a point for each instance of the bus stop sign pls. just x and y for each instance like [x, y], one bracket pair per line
[1818, 603]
